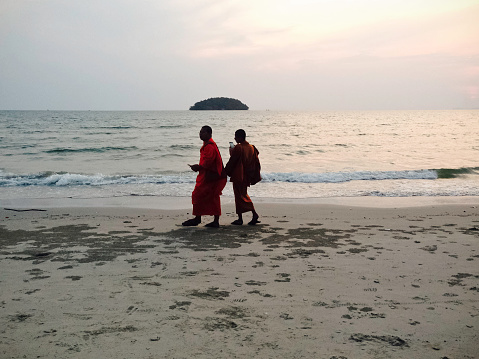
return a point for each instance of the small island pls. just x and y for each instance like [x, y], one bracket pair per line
[219, 103]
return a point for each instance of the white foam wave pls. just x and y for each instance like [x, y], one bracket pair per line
[338, 177]
[73, 179]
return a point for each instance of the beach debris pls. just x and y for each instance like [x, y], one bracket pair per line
[65, 267]
[182, 305]
[286, 316]
[458, 279]
[425, 299]
[357, 250]
[430, 249]
[151, 283]
[109, 330]
[42, 254]
[266, 295]
[19, 317]
[32, 291]
[254, 282]
[449, 295]
[284, 277]
[389, 339]
[305, 253]
[219, 324]
[233, 312]
[211, 293]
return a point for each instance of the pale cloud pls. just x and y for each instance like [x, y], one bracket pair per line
[296, 54]
[378, 31]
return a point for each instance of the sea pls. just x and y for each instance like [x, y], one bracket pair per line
[99, 155]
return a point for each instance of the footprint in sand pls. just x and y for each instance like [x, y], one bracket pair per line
[131, 309]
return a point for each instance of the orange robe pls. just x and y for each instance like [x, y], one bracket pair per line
[206, 195]
[242, 157]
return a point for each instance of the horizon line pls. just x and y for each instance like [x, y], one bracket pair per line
[272, 110]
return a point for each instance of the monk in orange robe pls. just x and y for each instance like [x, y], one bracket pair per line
[209, 182]
[242, 158]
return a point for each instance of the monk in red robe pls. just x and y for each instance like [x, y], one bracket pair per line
[242, 158]
[209, 183]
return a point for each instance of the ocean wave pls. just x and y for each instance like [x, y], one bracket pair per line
[182, 147]
[338, 177]
[90, 149]
[73, 179]
[126, 127]
[76, 179]
[169, 126]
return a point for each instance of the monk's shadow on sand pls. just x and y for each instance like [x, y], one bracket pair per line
[70, 243]
[206, 239]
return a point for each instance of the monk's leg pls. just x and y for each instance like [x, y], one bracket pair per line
[216, 209]
[247, 205]
[243, 203]
[255, 218]
[215, 223]
[238, 221]
[238, 204]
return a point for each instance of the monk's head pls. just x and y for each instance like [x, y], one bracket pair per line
[205, 133]
[240, 136]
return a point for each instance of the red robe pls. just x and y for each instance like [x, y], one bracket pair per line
[206, 195]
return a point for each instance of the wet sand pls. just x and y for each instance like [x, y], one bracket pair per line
[310, 281]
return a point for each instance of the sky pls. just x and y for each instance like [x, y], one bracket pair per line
[270, 54]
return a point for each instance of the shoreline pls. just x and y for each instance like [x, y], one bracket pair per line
[153, 202]
[312, 280]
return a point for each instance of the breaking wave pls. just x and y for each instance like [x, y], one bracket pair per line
[338, 177]
[75, 179]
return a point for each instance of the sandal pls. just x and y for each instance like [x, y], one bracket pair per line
[237, 222]
[213, 225]
[191, 222]
[253, 221]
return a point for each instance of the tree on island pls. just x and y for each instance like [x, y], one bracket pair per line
[219, 103]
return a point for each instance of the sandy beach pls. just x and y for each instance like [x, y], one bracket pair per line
[311, 281]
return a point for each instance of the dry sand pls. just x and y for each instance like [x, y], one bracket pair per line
[311, 281]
